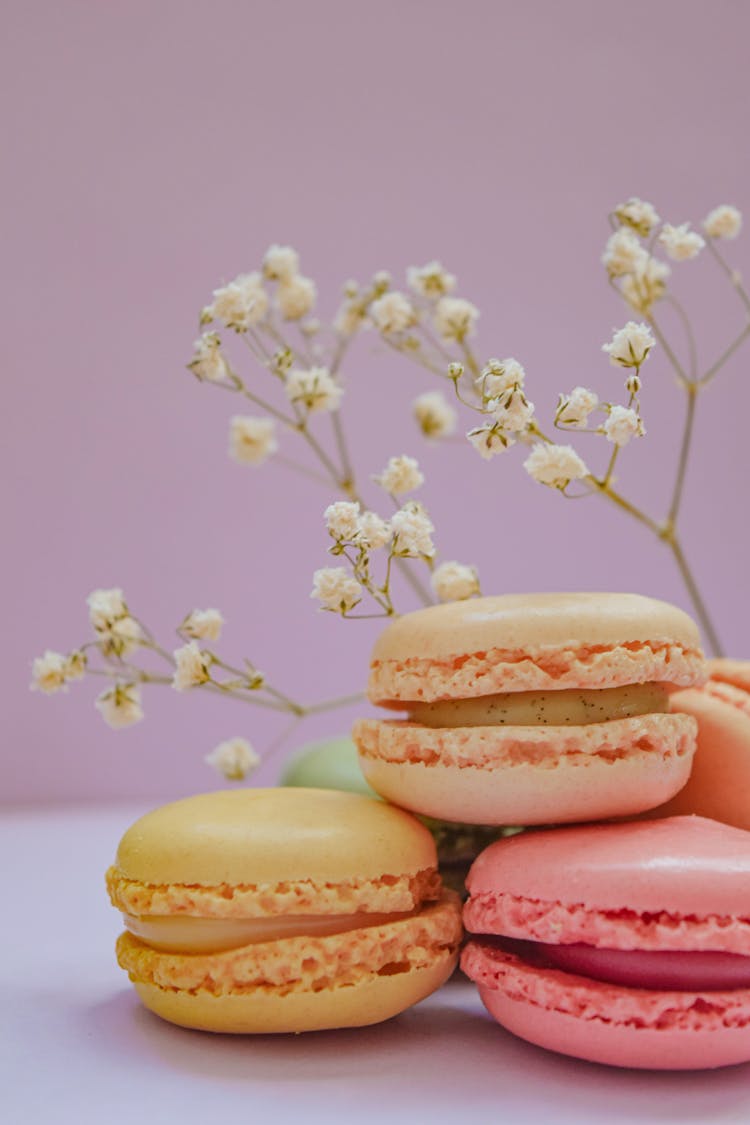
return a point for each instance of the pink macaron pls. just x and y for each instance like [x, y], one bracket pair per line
[626, 944]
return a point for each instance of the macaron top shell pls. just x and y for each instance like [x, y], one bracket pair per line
[534, 641]
[268, 836]
[686, 865]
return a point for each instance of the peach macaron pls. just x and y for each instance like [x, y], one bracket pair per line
[719, 783]
[282, 910]
[626, 944]
[532, 709]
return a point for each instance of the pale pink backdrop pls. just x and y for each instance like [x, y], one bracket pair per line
[155, 149]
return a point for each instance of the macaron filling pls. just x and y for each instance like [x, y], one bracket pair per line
[184, 934]
[567, 707]
[663, 970]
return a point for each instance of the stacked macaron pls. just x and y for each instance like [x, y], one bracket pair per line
[719, 783]
[627, 944]
[279, 910]
[534, 709]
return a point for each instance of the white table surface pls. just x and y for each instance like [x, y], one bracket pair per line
[76, 1046]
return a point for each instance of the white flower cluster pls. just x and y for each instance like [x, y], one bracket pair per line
[118, 633]
[54, 671]
[500, 385]
[393, 313]
[295, 295]
[573, 410]
[234, 759]
[681, 243]
[335, 589]
[191, 667]
[401, 475]
[313, 390]
[251, 440]
[208, 362]
[455, 582]
[555, 465]
[642, 277]
[455, 318]
[434, 415]
[120, 705]
[724, 221]
[203, 624]
[630, 346]
[431, 281]
[240, 304]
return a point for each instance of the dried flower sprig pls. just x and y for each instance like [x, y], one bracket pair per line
[435, 333]
[123, 649]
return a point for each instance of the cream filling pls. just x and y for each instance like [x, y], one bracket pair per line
[569, 707]
[181, 934]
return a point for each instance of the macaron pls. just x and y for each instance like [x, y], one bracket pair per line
[532, 709]
[626, 944]
[719, 782]
[333, 764]
[282, 910]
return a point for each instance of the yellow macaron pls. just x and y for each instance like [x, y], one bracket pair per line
[282, 910]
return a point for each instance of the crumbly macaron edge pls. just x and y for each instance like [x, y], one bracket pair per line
[502, 914]
[544, 668]
[389, 894]
[592, 1000]
[303, 963]
[502, 747]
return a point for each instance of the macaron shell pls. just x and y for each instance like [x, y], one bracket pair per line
[683, 865]
[719, 783]
[405, 957]
[607, 1023]
[367, 1001]
[389, 893]
[268, 836]
[533, 643]
[528, 775]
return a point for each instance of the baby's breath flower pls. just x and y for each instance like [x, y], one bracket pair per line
[373, 532]
[573, 410]
[75, 665]
[48, 673]
[335, 589]
[633, 383]
[392, 313]
[342, 520]
[513, 412]
[554, 465]
[623, 253]
[295, 297]
[120, 706]
[489, 441]
[208, 360]
[724, 221]
[105, 606]
[315, 389]
[412, 531]
[638, 215]
[241, 303]
[251, 440]
[455, 318]
[203, 624]
[122, 637]
[351, 316]
[622, 424]
[454, 582]
[455, 371]
[500, 376]
[680, 242]
[434, 414]
[192, 667]
[430, 281]
[280, 263]
[646, 285]
[235, 759]
[401, 475]
[630, 345]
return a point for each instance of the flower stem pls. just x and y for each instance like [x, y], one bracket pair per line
[699, 606]
[691, 389]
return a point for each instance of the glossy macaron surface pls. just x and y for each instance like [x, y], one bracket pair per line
[627, 944]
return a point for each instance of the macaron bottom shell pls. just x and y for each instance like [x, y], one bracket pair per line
[611, 1024]
[268, 1010]
[535, 775]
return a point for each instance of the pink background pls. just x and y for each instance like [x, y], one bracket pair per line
[157, 149]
